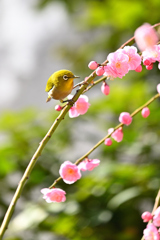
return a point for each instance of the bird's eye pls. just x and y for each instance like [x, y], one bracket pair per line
[65, 77]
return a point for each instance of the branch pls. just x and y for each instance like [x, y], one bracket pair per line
[42, 144]
[108, 135]
[37, 154]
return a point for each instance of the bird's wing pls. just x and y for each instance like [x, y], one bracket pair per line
[49, 85]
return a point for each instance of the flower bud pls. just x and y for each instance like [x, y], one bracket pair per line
[108, 142]
[93, 65]
[58, 108]
[145, 112]
[100, 71]
[105, 88]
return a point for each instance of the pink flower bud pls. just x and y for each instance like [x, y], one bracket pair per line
[58, 108]
[145, 112]
[146, 216]
[69, 172]
[139, 69]
[108, 142]
[100, 71]
[149, 67]
[125, 118]
[118, 135]
[105, 88]
[147, 62]
[158, 88]
[53, 195]
[93, 65]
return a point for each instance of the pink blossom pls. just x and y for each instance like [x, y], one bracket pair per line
[145, 112]
[69, 172]
[134, 58]
[105, 88]
[159, 66]
[146, 216]
[151, 55]
[139, 69]
[80, 107]
[158, 88]
[125, 118]
[82, 104]
[100, 71]
[73, 112]
[118, 135]
[151, 232]
[88, 164]
[93, 65]
[156, 218]
[58, 108]
[117, 64]
[53, 195]
[108, 142]
[145, 36]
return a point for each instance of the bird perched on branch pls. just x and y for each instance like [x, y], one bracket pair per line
[60, 85]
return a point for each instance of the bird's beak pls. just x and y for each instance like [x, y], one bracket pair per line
[76, 77]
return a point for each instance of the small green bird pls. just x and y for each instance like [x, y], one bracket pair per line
[60, 85]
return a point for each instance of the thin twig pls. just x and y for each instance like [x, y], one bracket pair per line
[95, 83]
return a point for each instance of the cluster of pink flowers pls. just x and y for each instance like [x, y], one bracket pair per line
[150, 56]
[70, 173]
[126, 119]
[120, 62]
[123, 60]
[151, 232]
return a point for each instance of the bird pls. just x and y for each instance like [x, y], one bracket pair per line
[60, 85]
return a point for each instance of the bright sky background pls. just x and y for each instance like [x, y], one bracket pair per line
[28, 40]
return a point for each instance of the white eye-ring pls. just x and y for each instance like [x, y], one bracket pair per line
[65, 77]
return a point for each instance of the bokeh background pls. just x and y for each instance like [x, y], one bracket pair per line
[36, 39]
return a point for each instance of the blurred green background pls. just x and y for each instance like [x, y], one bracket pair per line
[106, 203]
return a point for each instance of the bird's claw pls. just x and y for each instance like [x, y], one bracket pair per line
[68, 101]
